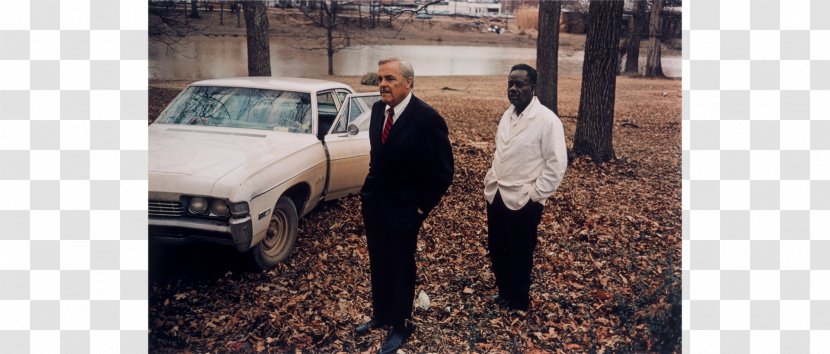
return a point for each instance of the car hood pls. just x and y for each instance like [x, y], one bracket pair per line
[210, 153]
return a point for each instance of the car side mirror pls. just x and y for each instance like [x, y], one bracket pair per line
[353, 129]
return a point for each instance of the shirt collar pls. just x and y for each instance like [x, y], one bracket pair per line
[400, 107]
[528, 110]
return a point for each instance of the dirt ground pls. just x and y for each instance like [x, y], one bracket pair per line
[607, 266]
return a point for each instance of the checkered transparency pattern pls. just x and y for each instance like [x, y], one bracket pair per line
[756, 176]
[73, 268]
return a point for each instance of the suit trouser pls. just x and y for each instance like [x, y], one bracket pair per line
[392, 266]
[511, 241]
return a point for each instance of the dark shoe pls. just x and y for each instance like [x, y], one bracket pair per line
[501, 301]
[395, 340]
[368, 326]
[519, 306]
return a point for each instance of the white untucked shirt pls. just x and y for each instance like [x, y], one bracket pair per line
[530, 158]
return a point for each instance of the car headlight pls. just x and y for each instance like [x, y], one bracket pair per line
[219, 207]
[239, 209]
[197, 205]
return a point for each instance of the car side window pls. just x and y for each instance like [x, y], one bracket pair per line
[354, 111]
[341, 96]
[326, 110]
[343, 121]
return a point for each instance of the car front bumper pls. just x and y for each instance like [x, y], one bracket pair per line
[236, 231]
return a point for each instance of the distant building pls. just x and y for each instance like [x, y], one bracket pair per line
[471, 8]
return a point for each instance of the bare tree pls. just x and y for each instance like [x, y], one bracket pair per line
[329, 22]
[374, 13]
[168, 24]
[653, 66]
[638, 25]
[194, 12]
[256, 26]
[547, 53]
[329, 17]
[236, 7]
[594, 128]
[394, 15]
[360, 15]
[221, 12]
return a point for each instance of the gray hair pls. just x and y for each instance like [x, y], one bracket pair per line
[405, 68]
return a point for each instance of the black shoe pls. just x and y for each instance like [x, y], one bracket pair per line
[519, 305]
[501, 301]
[395, 339]
[374, 323]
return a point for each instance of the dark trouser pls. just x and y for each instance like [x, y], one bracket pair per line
[392, 267]
[511, 241]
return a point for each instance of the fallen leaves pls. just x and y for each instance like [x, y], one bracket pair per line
[606, 274]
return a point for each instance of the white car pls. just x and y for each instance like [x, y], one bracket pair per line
[240, 160]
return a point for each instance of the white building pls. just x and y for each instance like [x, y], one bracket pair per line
[474, 8]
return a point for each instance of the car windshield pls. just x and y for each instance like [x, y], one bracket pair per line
[238, 107]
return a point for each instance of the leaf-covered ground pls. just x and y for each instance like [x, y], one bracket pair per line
[606, 272]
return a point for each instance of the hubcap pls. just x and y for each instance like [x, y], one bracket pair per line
[278, 229]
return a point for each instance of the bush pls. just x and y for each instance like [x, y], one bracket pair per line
[370, 79]
[527, 18]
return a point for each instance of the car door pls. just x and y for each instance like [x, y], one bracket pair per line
[348, 145]
[326, 110]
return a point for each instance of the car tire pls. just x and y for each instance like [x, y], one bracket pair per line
[281, 236]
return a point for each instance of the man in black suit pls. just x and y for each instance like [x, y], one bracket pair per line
[410, 169]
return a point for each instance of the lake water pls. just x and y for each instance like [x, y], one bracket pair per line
[214, 57]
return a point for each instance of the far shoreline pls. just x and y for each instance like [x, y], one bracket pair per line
[289, 26]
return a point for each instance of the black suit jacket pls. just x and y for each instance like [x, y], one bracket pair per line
[413, 169]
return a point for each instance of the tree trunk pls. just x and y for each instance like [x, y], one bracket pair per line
[595, 125]
[653, 66]
[547, 53]
[194, 12]
[359, 15]
[331, 21]
[632, 57]
[376, 14]
[239, 9]
[256, 26]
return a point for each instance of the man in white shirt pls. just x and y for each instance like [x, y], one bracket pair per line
[528, 165]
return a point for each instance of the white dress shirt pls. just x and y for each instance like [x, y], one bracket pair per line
[530, 158]
[399, 108]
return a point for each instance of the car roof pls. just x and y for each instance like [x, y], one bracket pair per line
[275, 83]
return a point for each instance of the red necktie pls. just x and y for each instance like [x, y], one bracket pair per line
[387, 127]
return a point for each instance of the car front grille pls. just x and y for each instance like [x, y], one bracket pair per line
[165, 208]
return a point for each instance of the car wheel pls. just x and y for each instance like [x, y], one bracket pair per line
[281, 237]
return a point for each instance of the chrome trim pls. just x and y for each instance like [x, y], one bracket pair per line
[238, 231]
[217, 133]
[264, 214]
[165, 208]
